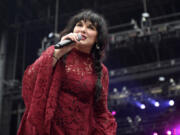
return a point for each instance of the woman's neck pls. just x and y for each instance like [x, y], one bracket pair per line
[83, 49]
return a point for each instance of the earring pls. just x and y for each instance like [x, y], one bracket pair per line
[97, 46]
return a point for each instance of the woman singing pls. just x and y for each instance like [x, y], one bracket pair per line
[65, 90]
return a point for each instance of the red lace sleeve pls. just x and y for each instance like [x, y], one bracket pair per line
[30, 76]
[35, 88]
[105, 122]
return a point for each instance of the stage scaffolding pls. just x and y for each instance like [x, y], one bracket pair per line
[12, 106]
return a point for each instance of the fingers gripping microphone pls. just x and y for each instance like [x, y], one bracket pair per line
[66, 42]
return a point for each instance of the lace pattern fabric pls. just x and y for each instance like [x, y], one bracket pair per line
[59, 101]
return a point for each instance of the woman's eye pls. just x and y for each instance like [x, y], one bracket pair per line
[79, 24]
[91, 27]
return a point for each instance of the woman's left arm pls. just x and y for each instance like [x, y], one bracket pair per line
[105, 121]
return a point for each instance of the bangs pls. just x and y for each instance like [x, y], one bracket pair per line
[88, 16]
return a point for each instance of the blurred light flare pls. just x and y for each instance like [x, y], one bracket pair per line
[113, 113]
[171, 102]
[176, 130]
[142, 106]
[168, 132]
[162, 78]
[155, 133]
[156, 104]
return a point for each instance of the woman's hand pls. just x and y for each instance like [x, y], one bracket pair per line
[58, 53]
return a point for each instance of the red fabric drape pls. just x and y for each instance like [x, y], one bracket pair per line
[41, 84]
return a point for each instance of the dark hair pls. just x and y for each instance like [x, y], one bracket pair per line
[99, 22]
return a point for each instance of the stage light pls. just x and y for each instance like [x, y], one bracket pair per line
[162, 78]
[113, 113]
[138, 118]
[129, 119]
[172, 82]
[51, 35]
[171, 102]
[155, 133]
[125, 91]
[168, 132]
[115, 90]
[156, 104]
[142, 106]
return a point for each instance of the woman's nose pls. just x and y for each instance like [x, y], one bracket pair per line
[83, 29]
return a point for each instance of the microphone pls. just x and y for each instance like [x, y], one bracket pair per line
[66, 42]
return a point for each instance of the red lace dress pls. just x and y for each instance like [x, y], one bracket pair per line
[59, 100]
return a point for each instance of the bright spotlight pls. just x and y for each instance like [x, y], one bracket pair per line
[156, 104]
[169, 132]
[155, 133]
[142, 106]
[171, 102]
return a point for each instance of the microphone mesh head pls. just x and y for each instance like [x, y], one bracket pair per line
[79, 37]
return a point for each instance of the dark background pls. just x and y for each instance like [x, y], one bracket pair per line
[135, 57]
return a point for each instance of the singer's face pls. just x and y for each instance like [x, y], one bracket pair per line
[89, 34]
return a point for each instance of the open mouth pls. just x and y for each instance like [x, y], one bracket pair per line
[83, 37]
